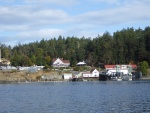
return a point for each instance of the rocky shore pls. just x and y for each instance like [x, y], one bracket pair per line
[23, 76]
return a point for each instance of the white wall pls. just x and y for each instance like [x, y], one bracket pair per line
[67, 76]
[125, 71]
[86, 75]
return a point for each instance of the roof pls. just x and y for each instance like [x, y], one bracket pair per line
[64, 61]
[86, 72]
[110, 66]
[81, 63]
[113, 66]
[93, 70]
[54, 59]
[134, 66]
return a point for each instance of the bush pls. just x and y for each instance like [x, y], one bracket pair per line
[38, 77]
[46, 67]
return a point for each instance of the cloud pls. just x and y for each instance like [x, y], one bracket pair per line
[19, 15]
[88, 34]
[13, 27]
[42, 33]
[30, 20]
[117, 15]
[41, 2]
[106, 1]
[33, 18]
[31, 36]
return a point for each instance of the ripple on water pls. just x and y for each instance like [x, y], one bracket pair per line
[76, 97]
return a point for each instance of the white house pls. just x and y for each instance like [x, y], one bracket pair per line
[93, 73]
[59, 62]
[4, 62]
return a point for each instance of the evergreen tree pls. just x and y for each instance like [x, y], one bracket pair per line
[123, 47]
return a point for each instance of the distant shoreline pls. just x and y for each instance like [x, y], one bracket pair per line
[15, 77]
[16, 82]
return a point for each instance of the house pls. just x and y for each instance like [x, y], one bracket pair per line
[4, 62]
[93, 73]
[60, 62]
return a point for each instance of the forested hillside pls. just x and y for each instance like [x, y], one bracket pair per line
[125, 46]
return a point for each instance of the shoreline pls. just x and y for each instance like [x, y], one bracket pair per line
[56, 81]
[14, 77]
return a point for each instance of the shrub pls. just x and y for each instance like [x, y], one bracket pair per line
[38, 77]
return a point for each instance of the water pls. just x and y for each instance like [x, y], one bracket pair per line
[76, 97]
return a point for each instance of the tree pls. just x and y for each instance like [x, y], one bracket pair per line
[118, 49]
[39, 56]
[91, 59]
[25, 61]
[60, 47]
[123, 47]
[144, 67]
[147, 38]
[48, 60]
[106, 46]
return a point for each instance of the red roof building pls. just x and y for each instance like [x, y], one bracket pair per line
[134, 66]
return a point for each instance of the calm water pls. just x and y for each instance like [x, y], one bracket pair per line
[76, 97]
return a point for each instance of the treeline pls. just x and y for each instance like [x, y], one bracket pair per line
[124, 47]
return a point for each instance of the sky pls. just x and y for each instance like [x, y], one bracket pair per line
[25, 21]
